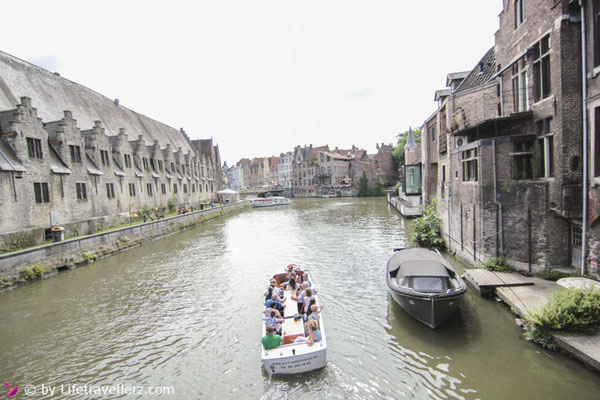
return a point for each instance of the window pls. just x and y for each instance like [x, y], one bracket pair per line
[172, 168]
[200, 187]
[522, 158]
[174, 188]
[442, 145]
[519, 85]
[81, 191]
[104, 157]
[193, 188]
[152, 164]
[34, 146]
[541, 68]
[469, 165]
[127, 160]
[596, 22]
[145, 162]
[40, 190]
[597, 142]
[184, 188]
[132, 189]
[433, 134]
[75, 153]
[163, 188]
[576, 235]
[149, 188]
[519, 12]
[546, 147]
[160, 165]
[110, 190]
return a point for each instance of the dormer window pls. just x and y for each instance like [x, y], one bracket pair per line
[519, 12]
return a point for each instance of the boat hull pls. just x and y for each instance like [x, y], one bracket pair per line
[430, 310]
[295, 364]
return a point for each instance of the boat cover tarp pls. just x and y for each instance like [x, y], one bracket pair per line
[423, 268]
[418, 262]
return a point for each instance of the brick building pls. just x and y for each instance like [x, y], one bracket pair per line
[67, 149]
[502, 153]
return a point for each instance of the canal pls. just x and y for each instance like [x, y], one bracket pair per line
[185, 312]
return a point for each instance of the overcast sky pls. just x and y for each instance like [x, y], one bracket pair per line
[260, 76]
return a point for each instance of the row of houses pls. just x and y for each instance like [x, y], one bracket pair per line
[511, 155]
[315, 170]
[72, 157]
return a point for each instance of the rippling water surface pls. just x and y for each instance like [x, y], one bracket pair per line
[185, 312]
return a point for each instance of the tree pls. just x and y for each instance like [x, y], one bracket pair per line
[378, 189]
[363, 186]
[398, 152]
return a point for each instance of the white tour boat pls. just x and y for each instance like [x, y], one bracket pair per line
[270, 201]
[290, 357]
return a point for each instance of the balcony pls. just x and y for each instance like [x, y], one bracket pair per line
[490, 109]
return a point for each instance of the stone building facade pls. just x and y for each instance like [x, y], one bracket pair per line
[502, 153]
[90, 161]
[284, 169]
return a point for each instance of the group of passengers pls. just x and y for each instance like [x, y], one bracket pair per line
[308, 310]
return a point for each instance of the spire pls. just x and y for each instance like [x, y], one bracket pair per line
[410, 141]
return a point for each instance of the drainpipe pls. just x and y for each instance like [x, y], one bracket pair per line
[500, 225]
[585, 135]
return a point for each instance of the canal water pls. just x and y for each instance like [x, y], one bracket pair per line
[184, 312]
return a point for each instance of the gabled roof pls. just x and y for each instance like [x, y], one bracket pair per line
[439, 94]
[52, 94]
[456, 76]
[8, 159]
[481, 74]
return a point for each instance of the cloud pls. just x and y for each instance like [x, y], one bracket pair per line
[49, 63]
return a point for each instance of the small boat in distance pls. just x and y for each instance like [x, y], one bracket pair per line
[270, 201]
[295, 356]
[425, 285]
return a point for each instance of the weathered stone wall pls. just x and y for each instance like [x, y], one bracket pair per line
[15, 267]
[160, 176]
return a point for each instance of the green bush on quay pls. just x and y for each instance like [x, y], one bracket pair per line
[428, 230]
[497, 264]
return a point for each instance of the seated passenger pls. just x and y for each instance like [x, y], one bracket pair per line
[300, 297]
[267, 312]
[313, 302]
[312, 334]
[269, 293]
[315, 313]
[275, 303]
[306, 301]
[292, 285]
[271, 340]
[274, 322]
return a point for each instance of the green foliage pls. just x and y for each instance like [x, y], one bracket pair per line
[339, 193]
[553, 275]
[363, 186]
[31, 272]
[312, 160]
[378, 189]
[497, 264]
[398, 152]
[21, 240]
[172, 203]
[541, 336]
[427, 229]
[570, 310]
[397, 186]
[145, 210]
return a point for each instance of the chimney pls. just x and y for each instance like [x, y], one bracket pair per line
[68, 114]
[117, 102]
[97, 124]
[56, 73]
[25, 101]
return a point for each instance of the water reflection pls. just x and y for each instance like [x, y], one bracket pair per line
[184, 311]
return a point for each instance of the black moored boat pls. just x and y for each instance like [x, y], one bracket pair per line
[425, 285]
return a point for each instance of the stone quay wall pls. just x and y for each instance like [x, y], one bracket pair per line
[30, 264]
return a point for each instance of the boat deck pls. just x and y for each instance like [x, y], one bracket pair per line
[485, 281]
